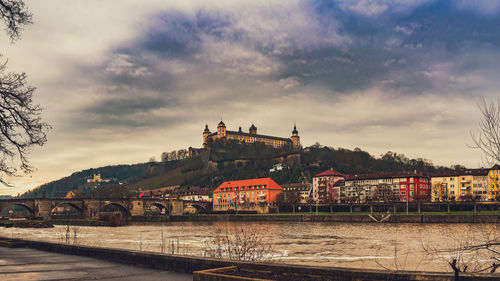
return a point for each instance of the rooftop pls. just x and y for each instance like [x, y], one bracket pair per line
[253, 135]
[385, 175]
[268, 183]
[463, 172]
[329, 173]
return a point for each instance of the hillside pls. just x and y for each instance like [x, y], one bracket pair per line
[229, 161]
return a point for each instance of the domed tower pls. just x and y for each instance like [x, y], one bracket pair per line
[221, 130]
[253, 129]
[295, 137]
[206, 133]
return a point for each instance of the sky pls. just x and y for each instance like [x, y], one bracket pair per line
[121, 81]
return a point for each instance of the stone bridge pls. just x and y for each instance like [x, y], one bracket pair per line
[91, 208]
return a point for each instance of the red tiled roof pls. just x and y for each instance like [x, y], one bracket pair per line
[268, 183]
[330, 173]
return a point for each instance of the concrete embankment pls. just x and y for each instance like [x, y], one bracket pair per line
[191, 264]
[354, 218]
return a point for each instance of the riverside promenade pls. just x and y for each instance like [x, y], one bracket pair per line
[31, 264]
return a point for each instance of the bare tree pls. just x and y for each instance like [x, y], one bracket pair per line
[15, 16]
[239, 242]
[488, 139]
[384, 193]
[21, 126]
[474, 250]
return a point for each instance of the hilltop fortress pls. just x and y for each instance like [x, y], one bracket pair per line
[250, 137]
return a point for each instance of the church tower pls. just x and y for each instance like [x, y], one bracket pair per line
[206, 133]
[221, 130]
[253, 130]
[295, 137]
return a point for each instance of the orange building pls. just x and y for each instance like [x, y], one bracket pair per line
[253, 195]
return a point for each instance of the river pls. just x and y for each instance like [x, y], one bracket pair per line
[375, 245]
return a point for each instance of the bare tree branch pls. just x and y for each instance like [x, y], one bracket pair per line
[15, 16]
[488, 138]
[21, 126]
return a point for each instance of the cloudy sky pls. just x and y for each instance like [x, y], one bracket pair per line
[121, 81]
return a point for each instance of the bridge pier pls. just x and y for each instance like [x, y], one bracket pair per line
[42, 208]
[91, 209]
[176, 207]
[137, 208]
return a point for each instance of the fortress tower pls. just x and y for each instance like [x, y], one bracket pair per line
[295, 137]
[221, 130]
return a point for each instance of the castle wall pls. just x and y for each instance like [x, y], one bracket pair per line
[250, 138]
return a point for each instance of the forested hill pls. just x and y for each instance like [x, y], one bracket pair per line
[116, 174]
[233, 163]
[358, 161]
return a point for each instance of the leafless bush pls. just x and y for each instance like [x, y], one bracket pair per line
[239, 242]
[139, 243]
[472, 251]
[70, 234]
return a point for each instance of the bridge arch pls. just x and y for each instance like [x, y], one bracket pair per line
[199, 208]
[6, 211]
[113, 208]
[65, 210]
[157, 208]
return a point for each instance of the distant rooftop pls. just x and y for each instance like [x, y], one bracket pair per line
[329, 173]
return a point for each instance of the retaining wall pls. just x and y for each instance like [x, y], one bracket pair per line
[356, 218]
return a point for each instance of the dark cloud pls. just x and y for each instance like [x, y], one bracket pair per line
[413, 49]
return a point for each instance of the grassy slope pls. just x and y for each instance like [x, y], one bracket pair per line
[173, 177]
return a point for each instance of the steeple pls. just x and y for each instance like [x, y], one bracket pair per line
[221, 130]
[295, 137]
[206, 133]
[253, 129]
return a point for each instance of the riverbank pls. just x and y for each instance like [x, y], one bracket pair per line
[200, 266]
[26, 223]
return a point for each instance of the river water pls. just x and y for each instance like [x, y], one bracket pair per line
[377, 246]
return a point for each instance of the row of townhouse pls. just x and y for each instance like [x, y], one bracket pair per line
[467, 184]
[333, 187]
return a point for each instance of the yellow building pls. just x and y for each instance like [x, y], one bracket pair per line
[494, 182]
[250, 137]
[445, 186]
[460, 185]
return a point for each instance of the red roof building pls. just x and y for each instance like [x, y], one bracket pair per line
[252, 195]
[323, 190]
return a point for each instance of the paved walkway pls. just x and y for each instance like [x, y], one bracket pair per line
[29, 264]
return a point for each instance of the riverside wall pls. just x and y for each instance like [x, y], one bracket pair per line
[191, 264]
[353, 218]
